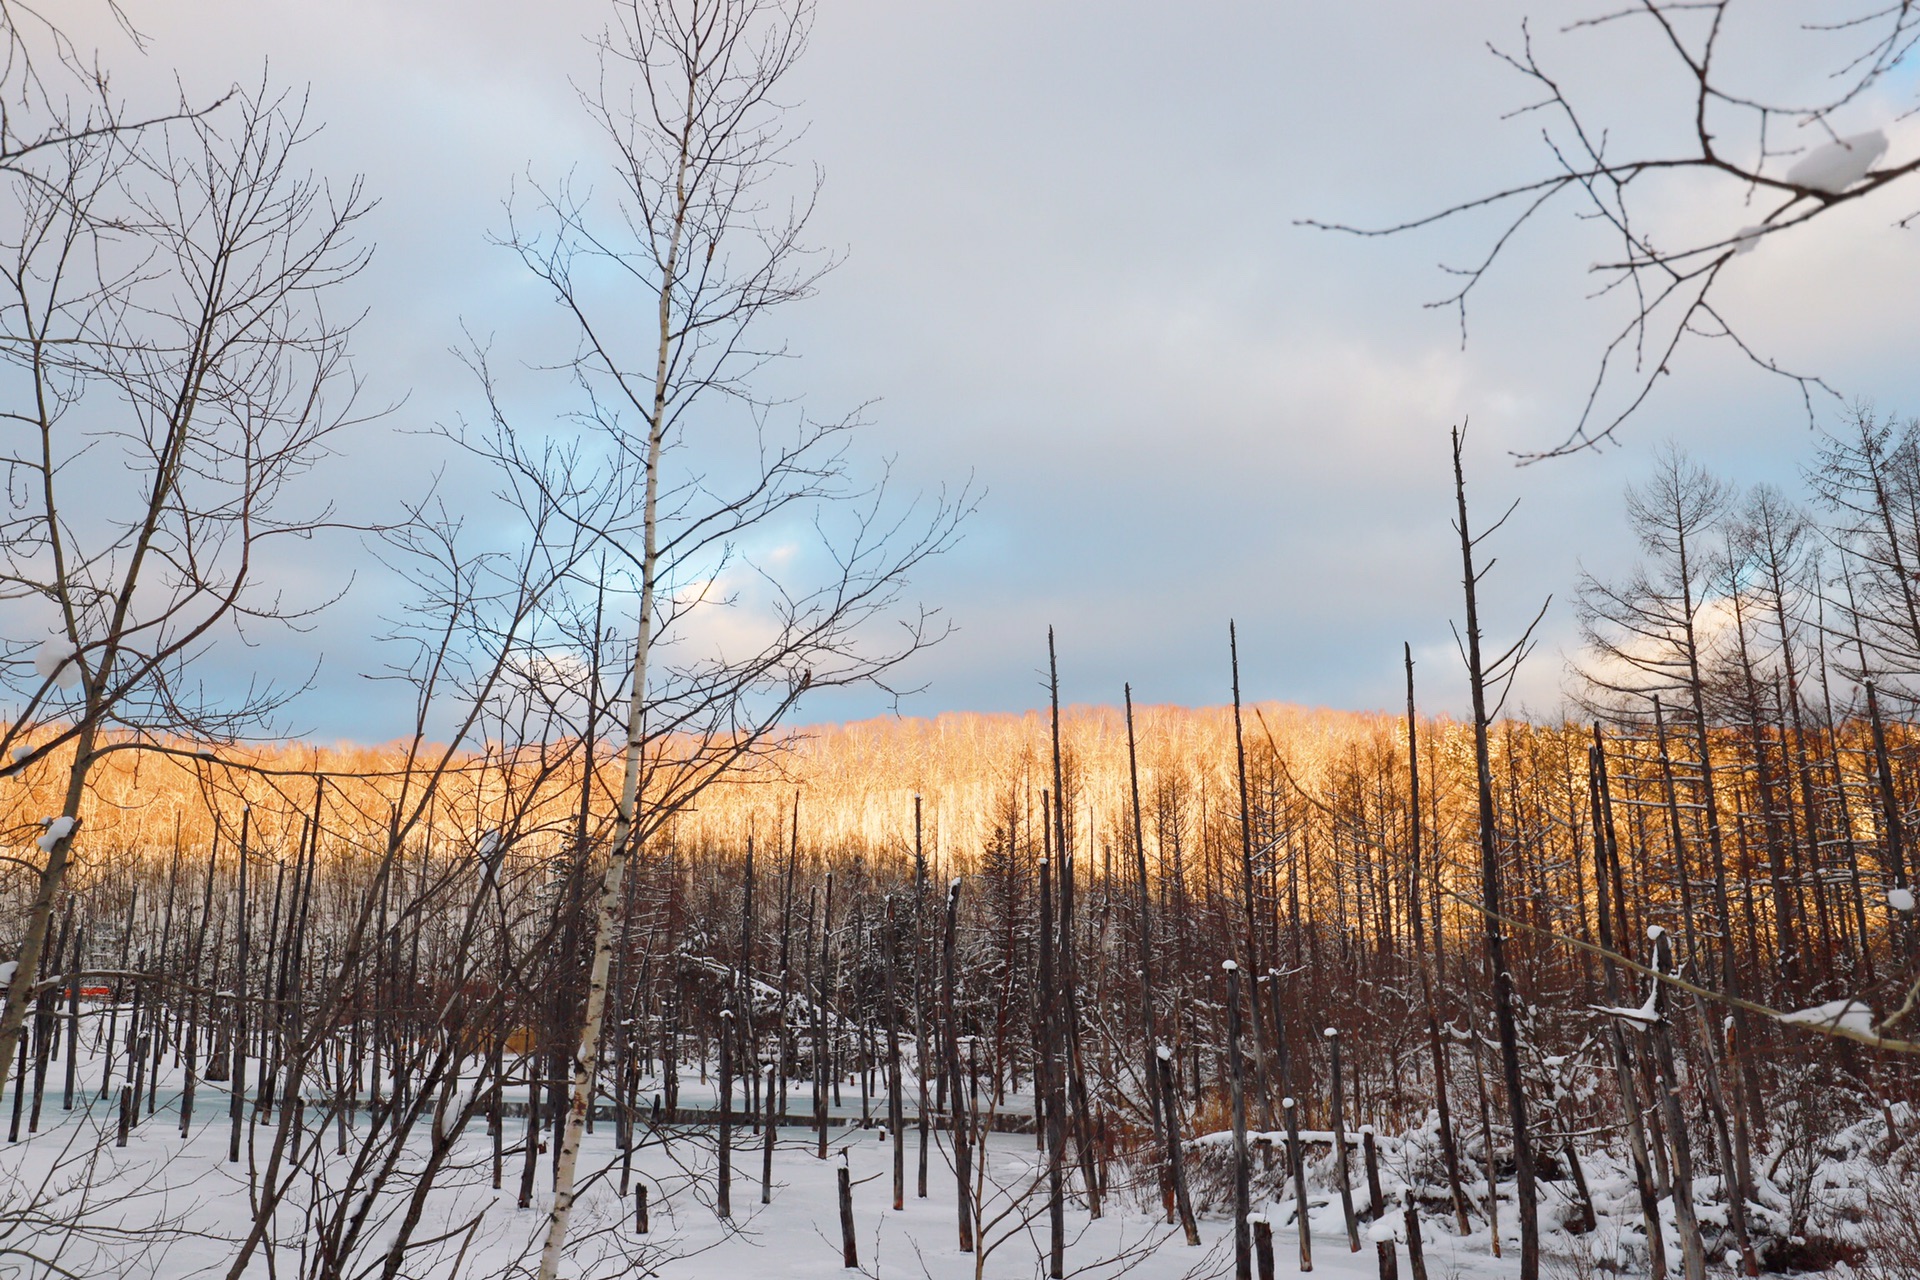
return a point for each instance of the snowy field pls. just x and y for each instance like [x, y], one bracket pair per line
[183, 1208]
[76, 1204]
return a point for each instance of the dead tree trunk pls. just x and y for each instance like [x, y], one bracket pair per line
[1339, 1127]
[1450, 1154]
[1047, 1086]
[1143, 929]
[1297, 1169]
[1660, 1033]
[1606, 851]
[724, 1189]
[1505, 1023]
[896, 1133]
[1248, 887]
[962, 1127]
[1242, 1174]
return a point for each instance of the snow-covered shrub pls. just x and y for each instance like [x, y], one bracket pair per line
[1891, 1230]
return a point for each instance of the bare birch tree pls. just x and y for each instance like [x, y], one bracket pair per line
[666, 286]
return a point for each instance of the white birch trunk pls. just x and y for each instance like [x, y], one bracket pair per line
[586, 1057]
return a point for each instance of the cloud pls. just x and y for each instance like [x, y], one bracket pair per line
[1073, 269]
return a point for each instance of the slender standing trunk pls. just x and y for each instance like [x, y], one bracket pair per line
[1242, 1193]
[822, 986]
[72, 1081]
[1450, 1154]
[1736, 1202]
[748, 1066]
[1787, 937]
[1692, 1254]
[1744, 1090]
[1068, 1011]
[237, 1077]
[768, 1138]
[1047, 1085]
[1247, 888]
[1339, 1126]
[1176, 1162]
[1606, 853]
[961, 1121]
[782, 1034]
[1503, 995]
[724, 1198]
[1891, 834]
[1144, 930]
[895, 1131]
[1297, 1169]
[923, 1120]
[626, 823]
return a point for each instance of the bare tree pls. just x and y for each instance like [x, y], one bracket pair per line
[696, 242]
[1748, 145]
[1481, 673]
[1867, 477]
[171, 369]
[54, 93]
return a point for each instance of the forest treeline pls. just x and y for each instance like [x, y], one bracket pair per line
[1804, 858]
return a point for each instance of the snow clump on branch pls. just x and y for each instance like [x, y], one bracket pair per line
[1839, 164]
[1841, 1015]
[58, 829]
[58, 664]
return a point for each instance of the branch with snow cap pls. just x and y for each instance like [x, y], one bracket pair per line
[1878, 1037]
[1668, 295]
[1832, 169]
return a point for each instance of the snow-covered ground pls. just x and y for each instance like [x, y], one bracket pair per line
[183, 1207]
[165, 1207]
[74, 1203]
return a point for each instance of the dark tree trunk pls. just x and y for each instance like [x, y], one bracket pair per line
[1503, 995]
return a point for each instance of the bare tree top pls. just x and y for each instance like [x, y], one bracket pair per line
[1790, 158]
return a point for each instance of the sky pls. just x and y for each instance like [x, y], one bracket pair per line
[1074, 271]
